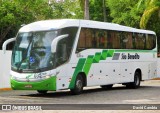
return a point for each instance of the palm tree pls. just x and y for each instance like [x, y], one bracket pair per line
[85, 7]
[152, 6]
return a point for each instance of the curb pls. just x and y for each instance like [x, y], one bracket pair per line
[156, 79]
[5, 89]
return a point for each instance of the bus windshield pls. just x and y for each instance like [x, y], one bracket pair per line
[32, 51]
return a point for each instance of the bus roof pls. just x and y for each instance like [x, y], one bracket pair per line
[61, 23]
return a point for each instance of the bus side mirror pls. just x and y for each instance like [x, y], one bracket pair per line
[6, 43]
[55, 41]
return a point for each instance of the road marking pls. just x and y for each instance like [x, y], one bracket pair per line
[142, 101]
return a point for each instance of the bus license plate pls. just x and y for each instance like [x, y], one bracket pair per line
[28, 86]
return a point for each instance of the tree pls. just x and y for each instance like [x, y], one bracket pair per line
[14, 13]
[152, 7]
[151, 16]
[86, 14]
[64, 9]
[125, 12]
[85, 8]
[11, 16]
[99, 11]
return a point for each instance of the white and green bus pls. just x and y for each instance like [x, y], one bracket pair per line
[54, 55]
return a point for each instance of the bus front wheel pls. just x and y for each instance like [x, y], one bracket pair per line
[78, 88]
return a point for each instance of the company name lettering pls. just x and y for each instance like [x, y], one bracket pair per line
[130, 56]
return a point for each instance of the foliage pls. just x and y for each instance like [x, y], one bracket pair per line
[82, 4]
[14, 13]
[151, 17]
[154, 24]
[96, 11]
[67, 9]
[151, 7]
[125, 12]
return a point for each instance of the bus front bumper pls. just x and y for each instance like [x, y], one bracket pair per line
[47, 84]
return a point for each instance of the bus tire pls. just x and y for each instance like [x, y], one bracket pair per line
[42, 91]
[107, 86]
[78, 88]
[136, 83]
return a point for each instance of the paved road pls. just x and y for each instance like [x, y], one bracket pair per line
[148, 93]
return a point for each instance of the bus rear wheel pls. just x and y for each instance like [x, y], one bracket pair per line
[78, 88]
[136, 83]
[42, 91]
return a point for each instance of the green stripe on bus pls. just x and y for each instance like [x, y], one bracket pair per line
[104, 54]
[88, 64]
[110, 53]
[78, 69]
[97, 57]
[47, 84]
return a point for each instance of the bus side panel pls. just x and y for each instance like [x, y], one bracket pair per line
[158, 67]
[148, 69]
[152, 70]
[143, 66]
[64, 74]
[104, 73]
[127, 72]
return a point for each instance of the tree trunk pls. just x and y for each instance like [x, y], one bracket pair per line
[104, 10]
[86, 10]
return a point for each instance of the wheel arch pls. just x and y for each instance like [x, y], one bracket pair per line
[84, 78]
[140, 72]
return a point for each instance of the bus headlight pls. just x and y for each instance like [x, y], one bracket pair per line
[13, 77]
[48, 76]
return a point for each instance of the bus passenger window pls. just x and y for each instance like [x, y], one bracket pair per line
[101, 39]
[150, 41]
[85, 39]
[94, 42]
[105, 39]
[110, 38]
[97, 39]
[81, 41]
[88, 38]
[129, 41]
[124, 40]
[134, 40]
[116, 40]
[140, 41]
